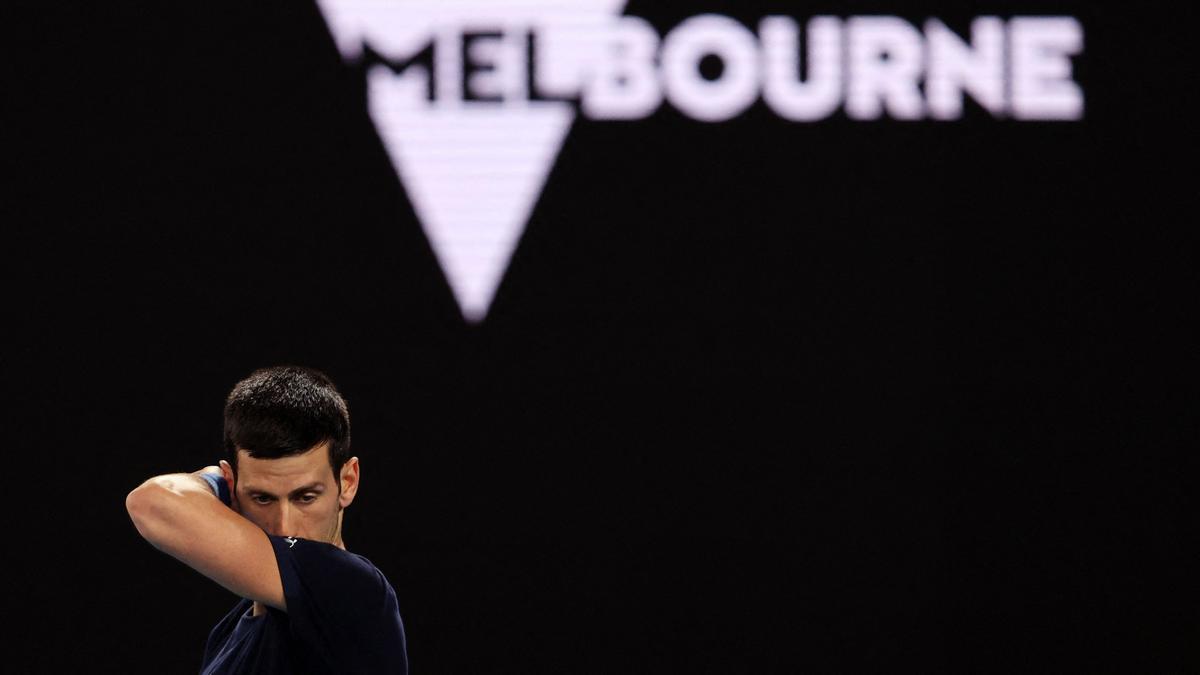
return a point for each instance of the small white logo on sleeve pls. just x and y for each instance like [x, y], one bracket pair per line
[291, 541]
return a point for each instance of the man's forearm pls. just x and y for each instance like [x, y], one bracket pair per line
[181, 484]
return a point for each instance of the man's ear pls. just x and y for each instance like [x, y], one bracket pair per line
[348, 481]
[227, 470]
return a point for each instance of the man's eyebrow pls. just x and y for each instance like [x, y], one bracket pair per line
[311, 487]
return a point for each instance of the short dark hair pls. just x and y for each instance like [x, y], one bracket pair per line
[286, 410]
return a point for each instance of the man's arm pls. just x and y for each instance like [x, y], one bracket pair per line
[179, 514]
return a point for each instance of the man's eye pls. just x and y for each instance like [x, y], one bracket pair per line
[308, 499]
[261, 500]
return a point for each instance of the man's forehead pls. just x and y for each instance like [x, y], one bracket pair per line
[282, 472]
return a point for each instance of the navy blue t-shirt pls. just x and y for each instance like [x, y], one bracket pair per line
[342, 617]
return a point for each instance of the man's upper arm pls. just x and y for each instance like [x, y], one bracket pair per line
[183, 519]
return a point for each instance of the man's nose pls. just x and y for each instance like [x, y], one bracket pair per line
[283, 519]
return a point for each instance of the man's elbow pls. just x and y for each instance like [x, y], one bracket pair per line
[145, 509]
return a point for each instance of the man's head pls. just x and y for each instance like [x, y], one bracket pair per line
[287, 447]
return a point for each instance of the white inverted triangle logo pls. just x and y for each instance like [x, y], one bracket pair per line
[474, 163]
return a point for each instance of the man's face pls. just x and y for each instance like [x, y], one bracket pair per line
[294, 496]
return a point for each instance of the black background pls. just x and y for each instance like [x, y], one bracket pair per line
[753, 397]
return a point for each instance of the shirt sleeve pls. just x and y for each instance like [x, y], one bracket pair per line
[341, 606]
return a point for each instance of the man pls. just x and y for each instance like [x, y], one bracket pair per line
[267, 525]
